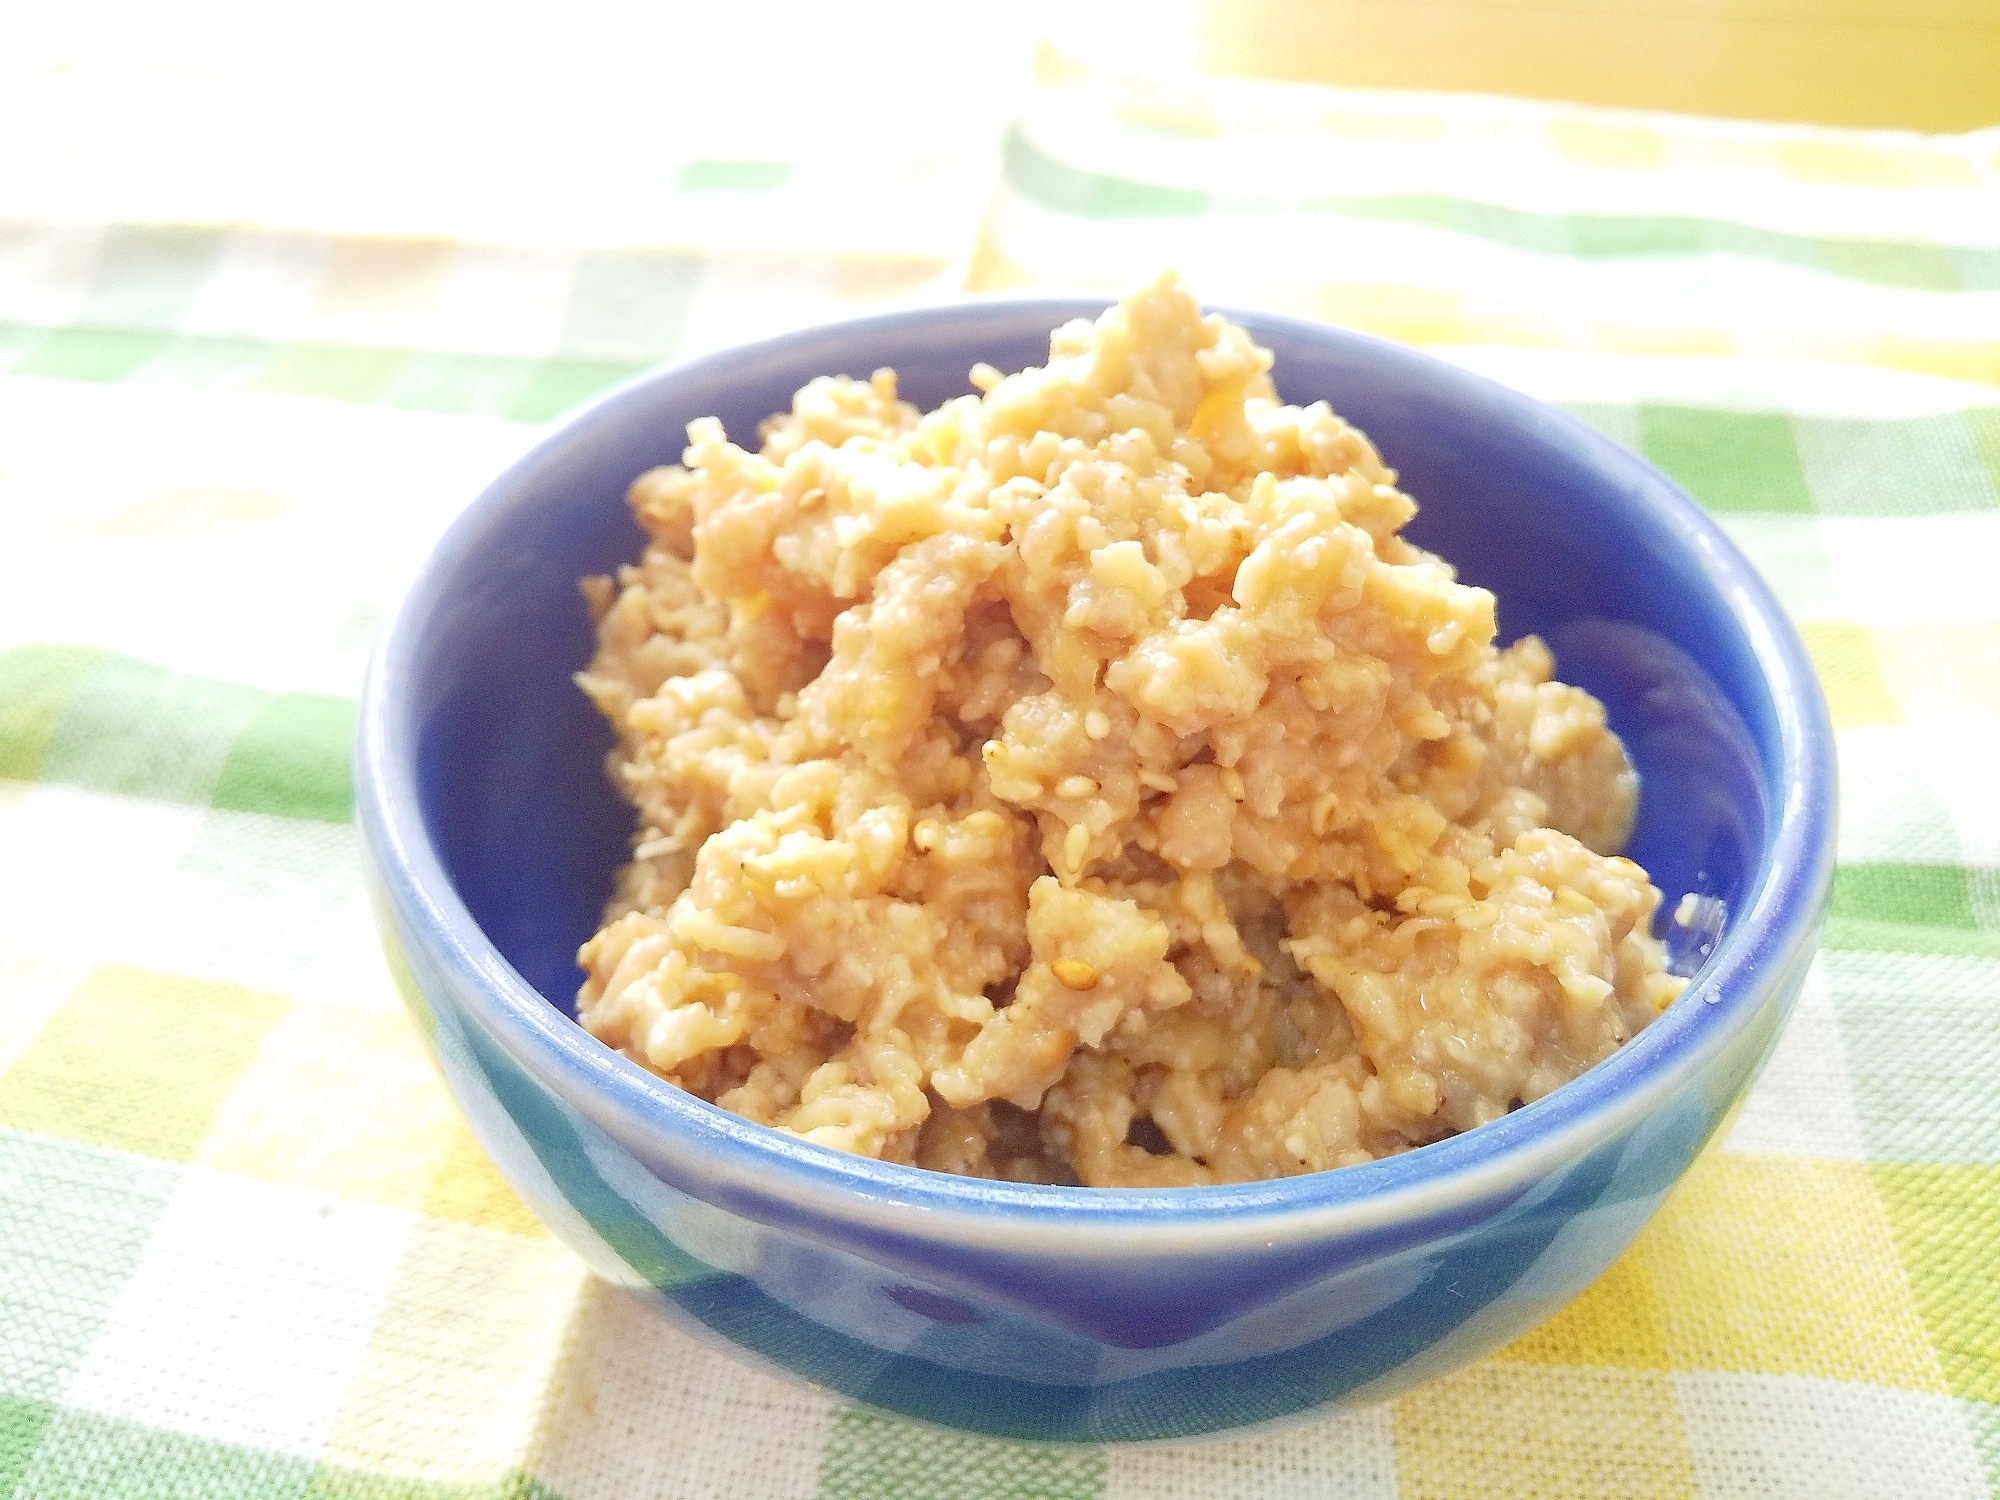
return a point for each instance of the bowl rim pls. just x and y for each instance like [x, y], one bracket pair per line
[773, 1176]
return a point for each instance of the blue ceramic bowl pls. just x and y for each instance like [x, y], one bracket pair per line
[1075, 1314]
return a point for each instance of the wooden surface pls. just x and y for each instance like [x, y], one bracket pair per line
[1926, 65]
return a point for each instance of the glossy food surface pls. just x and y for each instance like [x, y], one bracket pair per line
[1085, 782]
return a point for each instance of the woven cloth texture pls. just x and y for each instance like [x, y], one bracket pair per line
[247, 1248]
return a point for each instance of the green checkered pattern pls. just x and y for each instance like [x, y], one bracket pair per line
[424, 325]
[247, 1248]
[1051, 182]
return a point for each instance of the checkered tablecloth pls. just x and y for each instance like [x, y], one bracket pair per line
[247, 1248]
